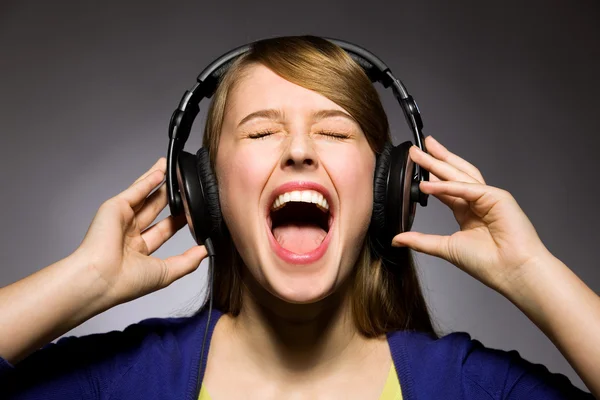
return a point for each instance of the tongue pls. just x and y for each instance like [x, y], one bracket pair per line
[299, 239]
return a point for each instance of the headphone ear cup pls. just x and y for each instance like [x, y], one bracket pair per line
[393, 209]
[199, 195]
[380, 180]
[212, 206]
[191, 195]
[400, 200]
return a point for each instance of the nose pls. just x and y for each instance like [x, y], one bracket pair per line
[300, 152]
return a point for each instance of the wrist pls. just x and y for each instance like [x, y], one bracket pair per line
[92, 289]
[535, 287]
[527, 275]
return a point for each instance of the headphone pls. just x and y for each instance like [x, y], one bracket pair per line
[192, 186]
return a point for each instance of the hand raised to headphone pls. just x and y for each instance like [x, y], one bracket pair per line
[496, 239]
[119, 241]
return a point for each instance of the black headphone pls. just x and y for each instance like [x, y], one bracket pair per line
[192, 187]
[395, 186]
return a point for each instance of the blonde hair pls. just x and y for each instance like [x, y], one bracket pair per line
[384, 298]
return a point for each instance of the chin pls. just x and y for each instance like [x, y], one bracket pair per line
[301, 285]
[302, 293]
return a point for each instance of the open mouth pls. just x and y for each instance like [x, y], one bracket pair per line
[300, 221]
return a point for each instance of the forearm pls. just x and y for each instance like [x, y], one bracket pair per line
[566, 310]
[43, 306]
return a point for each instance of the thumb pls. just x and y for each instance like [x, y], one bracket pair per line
[434, 245]
[183, 264]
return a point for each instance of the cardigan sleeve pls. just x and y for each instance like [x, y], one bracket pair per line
[527, 380]
[508, 376]
[82, 367]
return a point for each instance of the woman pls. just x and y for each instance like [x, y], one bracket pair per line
[339, 324]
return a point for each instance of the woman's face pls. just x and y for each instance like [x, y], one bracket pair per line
[301, 252]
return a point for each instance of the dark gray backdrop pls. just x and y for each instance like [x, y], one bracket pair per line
[87, 89]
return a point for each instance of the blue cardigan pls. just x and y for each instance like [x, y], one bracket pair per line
[158, 358]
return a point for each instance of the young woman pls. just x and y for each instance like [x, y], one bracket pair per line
[293, 132]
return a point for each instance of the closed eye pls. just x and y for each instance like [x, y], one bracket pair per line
[330, 134]
[260, 135]
[334, 135]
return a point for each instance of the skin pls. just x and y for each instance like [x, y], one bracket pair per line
[295, 323]
[496, 244]
[265, 352]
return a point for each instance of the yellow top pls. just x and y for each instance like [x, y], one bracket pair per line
[391, 390]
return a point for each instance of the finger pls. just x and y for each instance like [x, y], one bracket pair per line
[434, 245]
[448, 200]
[482, 198]
[440, 152]
[183, 264]
[152, 206]
[469, 191]
[140, 205]
[137, 193]
[160, 164]
[433, 178]
[440, 168]
[162, 231]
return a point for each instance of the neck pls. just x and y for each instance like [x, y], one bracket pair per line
[291, 340]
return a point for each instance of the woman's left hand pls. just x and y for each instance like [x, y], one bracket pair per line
[496, 240]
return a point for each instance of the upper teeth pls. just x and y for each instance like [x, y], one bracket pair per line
[306, 196]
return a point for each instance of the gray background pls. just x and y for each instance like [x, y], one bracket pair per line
[87, 90]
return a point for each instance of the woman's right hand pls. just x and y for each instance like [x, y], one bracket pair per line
[119, 242]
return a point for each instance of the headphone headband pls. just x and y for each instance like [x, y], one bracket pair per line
[207, 81]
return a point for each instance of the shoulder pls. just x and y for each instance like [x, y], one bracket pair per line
[135, 339]
[465, 363]
[113, 361]
[421, 353]
[102, 348]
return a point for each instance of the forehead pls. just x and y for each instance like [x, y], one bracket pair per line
[261, 88]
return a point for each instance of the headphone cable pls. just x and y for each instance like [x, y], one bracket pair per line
[211, 255]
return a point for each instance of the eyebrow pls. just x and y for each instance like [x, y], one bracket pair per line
[277, 115]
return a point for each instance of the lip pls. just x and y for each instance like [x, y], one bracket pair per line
[284, 254]
[300, 185]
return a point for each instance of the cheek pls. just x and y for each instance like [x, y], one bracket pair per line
[352, 174]
[242, 175]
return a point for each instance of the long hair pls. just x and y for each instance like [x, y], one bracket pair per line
[384, 297]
